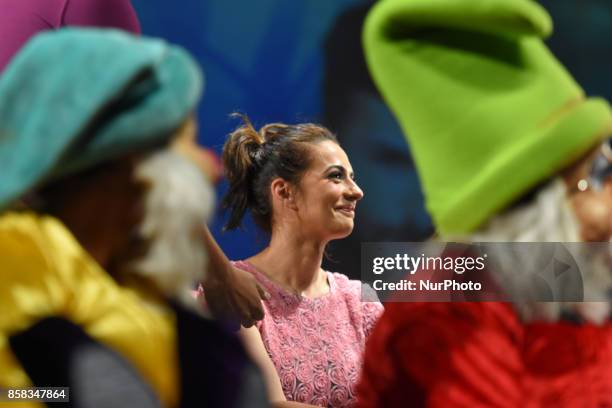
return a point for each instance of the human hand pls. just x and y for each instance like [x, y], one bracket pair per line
[235, 295]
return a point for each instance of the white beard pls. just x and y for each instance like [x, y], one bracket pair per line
[548, 218]
[178, 203]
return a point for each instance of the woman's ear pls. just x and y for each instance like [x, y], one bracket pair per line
[283, 192]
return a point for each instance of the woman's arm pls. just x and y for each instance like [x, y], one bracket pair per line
[256, 350]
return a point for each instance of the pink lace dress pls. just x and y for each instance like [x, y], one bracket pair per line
[317, 344]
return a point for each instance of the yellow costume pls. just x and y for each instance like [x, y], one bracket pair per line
[45, 272]
[112, 97]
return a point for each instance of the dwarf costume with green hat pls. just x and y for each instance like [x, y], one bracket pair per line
[489, 114]
[70, 100]
[488, 111]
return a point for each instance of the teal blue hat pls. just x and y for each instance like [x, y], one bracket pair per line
[73, 98]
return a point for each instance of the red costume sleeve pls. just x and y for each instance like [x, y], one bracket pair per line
[442, 354]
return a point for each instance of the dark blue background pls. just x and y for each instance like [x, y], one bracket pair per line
[300, 60]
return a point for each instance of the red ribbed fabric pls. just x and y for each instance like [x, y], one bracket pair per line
[482, 355]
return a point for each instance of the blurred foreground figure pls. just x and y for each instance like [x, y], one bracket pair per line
[103, 201]
[508, 150]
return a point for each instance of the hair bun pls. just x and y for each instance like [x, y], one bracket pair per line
[273, 130]
[253, 159]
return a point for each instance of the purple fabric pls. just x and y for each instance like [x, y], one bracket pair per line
[21, 19]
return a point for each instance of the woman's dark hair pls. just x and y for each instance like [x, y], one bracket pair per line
[253, 159]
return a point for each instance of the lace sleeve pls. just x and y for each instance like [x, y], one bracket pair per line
[371, 311]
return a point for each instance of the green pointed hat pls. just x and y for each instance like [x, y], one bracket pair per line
[488, 111]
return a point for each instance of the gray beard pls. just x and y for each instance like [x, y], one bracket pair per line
[548, 218]
[178, 203]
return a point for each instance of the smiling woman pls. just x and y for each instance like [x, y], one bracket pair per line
[299, 185]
